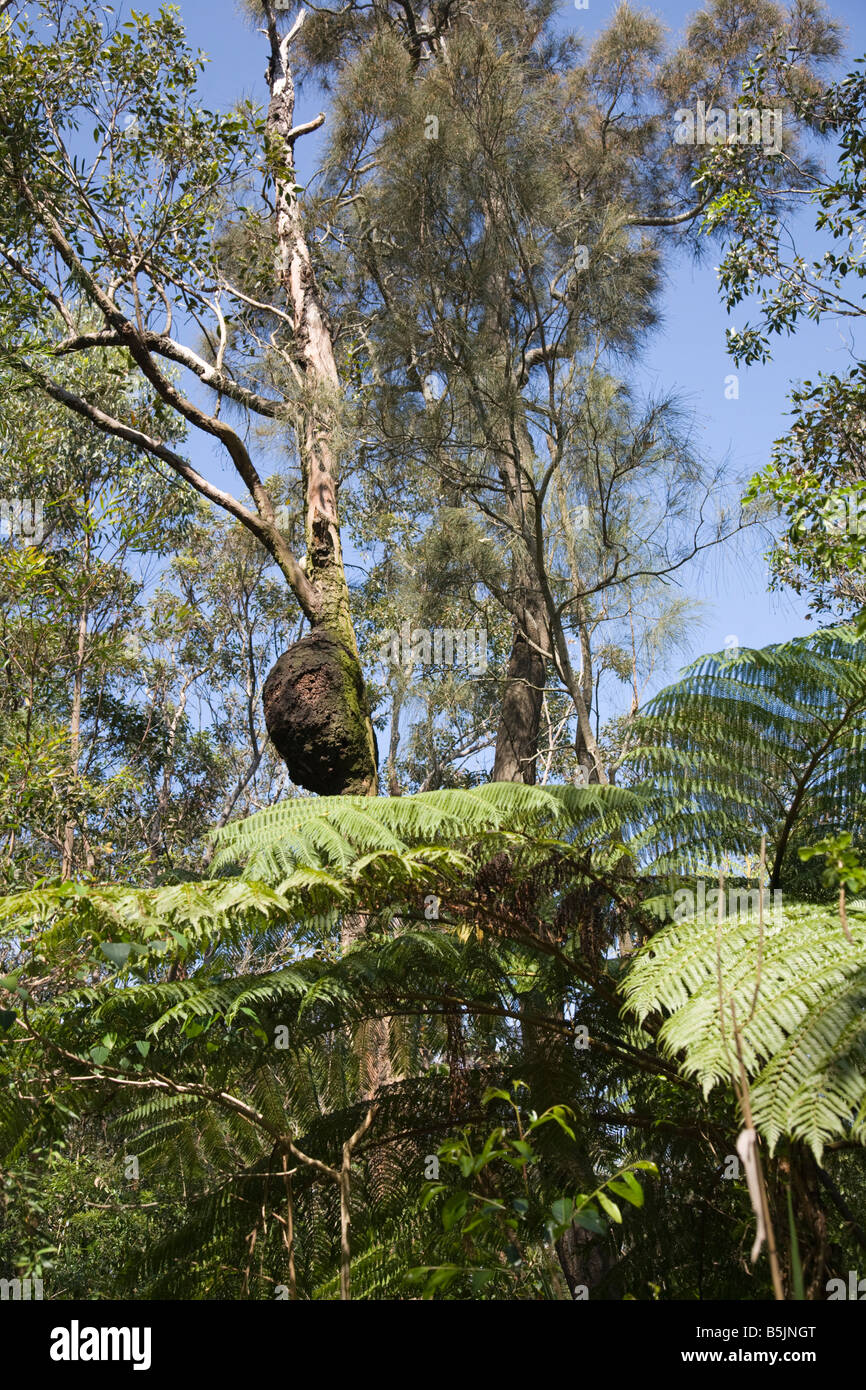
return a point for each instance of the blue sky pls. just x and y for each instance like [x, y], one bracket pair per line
[686, 356]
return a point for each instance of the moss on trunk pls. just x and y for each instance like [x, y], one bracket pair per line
[318, 717]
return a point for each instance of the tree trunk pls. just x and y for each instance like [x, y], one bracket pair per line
[581, 748]
[68, 860]
[799, 1171]
[316, 707]
[75, 739]
[520, 717]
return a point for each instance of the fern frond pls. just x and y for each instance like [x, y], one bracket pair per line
[761, 743]
[802, 1032]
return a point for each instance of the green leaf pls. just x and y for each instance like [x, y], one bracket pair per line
[116, 951]
[589, 1219]
[522, 1148]
[563, 1210]
[627, 1187]
[610, 1207]
[454, 1209]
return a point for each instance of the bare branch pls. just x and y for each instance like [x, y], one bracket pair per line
[264, 529]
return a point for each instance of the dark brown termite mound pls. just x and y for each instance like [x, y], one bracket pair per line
[318, 719]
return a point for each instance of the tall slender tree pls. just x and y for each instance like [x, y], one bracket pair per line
[504, 202]
[114, 181]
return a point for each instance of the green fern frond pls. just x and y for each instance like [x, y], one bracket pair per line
[801, 1014]
[338, 831]
[763, 742]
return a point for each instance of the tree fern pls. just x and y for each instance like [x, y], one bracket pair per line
[799, 998]
[762, 741]
[530, 897]
[337, 831]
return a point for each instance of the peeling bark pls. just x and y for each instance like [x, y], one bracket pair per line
[330, 663]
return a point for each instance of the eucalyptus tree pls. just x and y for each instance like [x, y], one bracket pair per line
[115, 182]
[71, 590]
[501, 205]
[503, 201]
[136, 632]
[433, 674]
[211, 630]
[816, 477]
